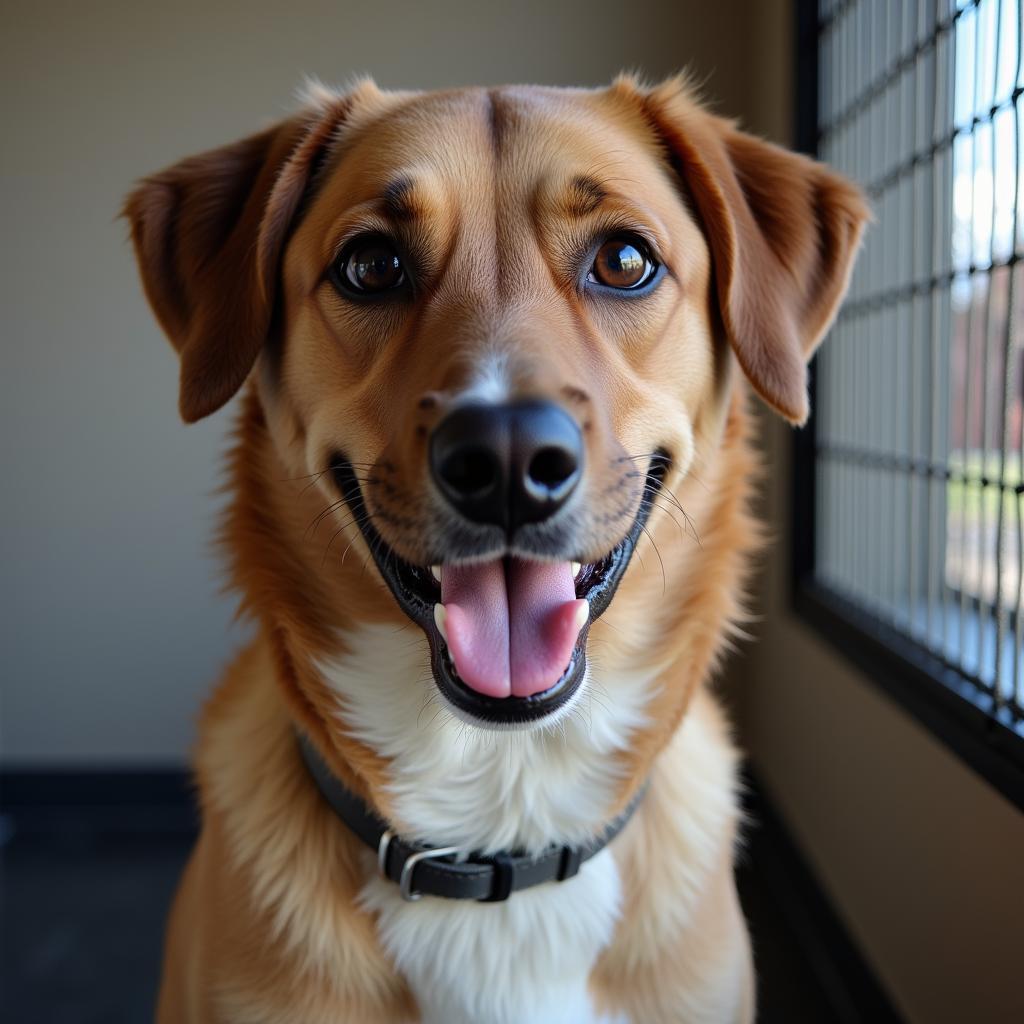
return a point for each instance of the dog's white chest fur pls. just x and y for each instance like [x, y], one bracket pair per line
[527, 959]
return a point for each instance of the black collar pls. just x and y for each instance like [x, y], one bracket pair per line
[430, 871]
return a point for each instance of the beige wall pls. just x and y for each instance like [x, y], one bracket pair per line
[111, 622]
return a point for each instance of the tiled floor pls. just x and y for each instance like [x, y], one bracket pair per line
[82, 920]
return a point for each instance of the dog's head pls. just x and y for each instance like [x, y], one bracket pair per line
[495, 324]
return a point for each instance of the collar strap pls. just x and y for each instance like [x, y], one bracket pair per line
[430, 871]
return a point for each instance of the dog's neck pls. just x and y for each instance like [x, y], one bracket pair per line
[355, 678]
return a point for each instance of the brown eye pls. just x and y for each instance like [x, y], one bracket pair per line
[623, 263]
[370, 265]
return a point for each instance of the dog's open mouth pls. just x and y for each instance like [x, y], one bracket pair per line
[507, 636]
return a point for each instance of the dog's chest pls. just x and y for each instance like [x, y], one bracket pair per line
[525, 960]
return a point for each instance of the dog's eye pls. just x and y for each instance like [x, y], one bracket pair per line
[624, 263]
[369, 265]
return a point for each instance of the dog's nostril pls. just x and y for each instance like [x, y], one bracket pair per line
[551, 467]
[470, 472]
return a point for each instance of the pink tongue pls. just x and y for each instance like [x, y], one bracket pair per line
[511, 626]
[476, 608]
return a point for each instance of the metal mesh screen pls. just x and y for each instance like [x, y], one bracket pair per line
[919, 503]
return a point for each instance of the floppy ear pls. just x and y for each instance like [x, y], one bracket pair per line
[208, 236]
[783, 231]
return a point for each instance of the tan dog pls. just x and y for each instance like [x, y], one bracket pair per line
[490, 338]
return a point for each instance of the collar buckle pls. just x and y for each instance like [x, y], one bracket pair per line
[405, 887]
[383, 846]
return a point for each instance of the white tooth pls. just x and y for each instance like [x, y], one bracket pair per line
[582, 614]
[441, 620]
[575, 569]
[435, 571]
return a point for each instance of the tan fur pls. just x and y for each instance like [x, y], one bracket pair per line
[233, 245]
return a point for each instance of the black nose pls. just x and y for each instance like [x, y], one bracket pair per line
[507, 464]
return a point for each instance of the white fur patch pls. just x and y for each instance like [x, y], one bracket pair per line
[526, 959]
[455, 784]
[490, 381]
[452, 783]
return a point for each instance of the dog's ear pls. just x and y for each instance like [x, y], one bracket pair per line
[209, 234]
[783, 231]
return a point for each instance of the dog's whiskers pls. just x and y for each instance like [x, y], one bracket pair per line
[367, 518]
[664, 579]
[432, 698]
[691, 529]
[320, 516]
[355, 520]
[655, 505]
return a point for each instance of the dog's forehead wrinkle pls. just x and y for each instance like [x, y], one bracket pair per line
[586, 194]
[495, 119]
[398, 198]
[496, 131]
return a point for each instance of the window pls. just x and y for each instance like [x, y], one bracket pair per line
[909, 539]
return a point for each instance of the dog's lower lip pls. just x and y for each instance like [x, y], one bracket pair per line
[417, 590]
[507, 711]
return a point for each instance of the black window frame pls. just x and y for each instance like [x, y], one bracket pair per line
[922, 684]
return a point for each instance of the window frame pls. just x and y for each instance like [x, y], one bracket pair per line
[931, 691]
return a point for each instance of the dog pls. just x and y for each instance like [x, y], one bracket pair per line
[489, 513]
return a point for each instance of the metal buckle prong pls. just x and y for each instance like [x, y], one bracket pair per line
[405, 882]
[383, 845]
